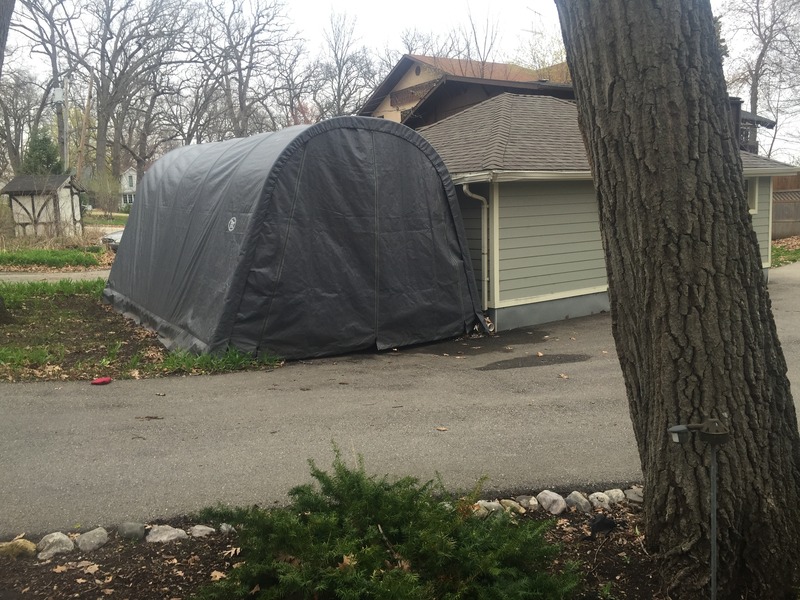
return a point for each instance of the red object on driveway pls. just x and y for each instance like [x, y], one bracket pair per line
[101, 381]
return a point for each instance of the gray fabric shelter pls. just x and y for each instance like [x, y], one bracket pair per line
[309, 241]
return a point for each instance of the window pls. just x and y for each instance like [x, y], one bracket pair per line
[128, 198]
[130, 180]
[751, 191]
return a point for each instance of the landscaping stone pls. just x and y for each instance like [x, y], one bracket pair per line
[52, 544]
[513, 506]
[479, 511]
[615, 496]
[579, 501]
[635, 494]
[600, 500]
[225, 528]
[551, 502]
[131, 531]
[528, 502]
[92, 540]
[201, 531]
[491, 506]
[165, 533]
[18, 548]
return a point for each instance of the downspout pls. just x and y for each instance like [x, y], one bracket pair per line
[484, 244]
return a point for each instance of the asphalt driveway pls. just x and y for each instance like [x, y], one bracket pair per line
[75, 455]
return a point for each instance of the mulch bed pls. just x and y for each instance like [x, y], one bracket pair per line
[614, 566]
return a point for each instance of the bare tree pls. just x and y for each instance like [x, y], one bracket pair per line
[765, 35]
[347, 70]
[6, 10]
[22, 105]
[690, 310]
[238, 44]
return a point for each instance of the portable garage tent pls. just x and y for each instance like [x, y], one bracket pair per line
[309, 241]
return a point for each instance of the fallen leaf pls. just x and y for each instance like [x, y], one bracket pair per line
[237, 565]
[108, 592]
[80, 580]
[440, 428]
[217, 575]
[540, 354]
[572, 338]
[173, 561]
[19, 537]
[255, 590]
[60, 569]
[348, 560]
[91, 569]
[563, 376]
[231, 552]
[178, 573]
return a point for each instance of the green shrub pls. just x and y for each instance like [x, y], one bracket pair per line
[357, 537]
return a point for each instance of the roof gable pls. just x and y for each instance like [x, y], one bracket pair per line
[463, 67]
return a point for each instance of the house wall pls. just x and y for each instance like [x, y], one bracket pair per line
[410, 79]
[44, 215]
[550, 242]
[762, 217]
[471, 217]
[551, 260]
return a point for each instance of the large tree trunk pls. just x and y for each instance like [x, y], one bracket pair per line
[6, 10]
[690, 312]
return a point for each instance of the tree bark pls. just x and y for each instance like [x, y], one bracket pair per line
[691, 316]
[6, 10]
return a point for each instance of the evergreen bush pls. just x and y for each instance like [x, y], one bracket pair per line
[356, 537]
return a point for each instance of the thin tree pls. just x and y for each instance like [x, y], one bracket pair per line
[6, 10]
[690, 311]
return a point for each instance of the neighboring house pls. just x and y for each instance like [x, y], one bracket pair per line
[421, 90]
[127, 187]
[45, 205]
[530, 210]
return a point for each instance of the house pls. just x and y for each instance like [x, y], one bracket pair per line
[421, 90]
[45, 205]
[127, 187]
[530, 210]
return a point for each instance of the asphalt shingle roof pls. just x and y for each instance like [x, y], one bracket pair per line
[514, 132]
[511, 132]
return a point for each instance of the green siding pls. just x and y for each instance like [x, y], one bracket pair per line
[471, 217]
[549, 239]
[761, 218]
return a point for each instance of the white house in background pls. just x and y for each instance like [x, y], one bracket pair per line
[127, 187]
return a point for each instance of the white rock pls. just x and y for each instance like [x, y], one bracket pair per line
[92, 540]
[635, 494]
[551, 502]
[579, 501]
[131, 531]
[600, 500]
[479, 511]
[528, 502]
[165, 533]
[491, 506]
[52, 544]
[615, 496]
[226, 528]
[201, 530]
[513, 506]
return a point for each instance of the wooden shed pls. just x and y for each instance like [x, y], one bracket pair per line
[45, 205]
[530, 208]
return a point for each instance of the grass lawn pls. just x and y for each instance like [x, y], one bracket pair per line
[45, 257]
[96, 217]
[785, 251]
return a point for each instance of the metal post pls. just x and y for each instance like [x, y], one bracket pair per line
[713, 475]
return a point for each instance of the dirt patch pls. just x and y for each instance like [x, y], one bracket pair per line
[83, 338]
